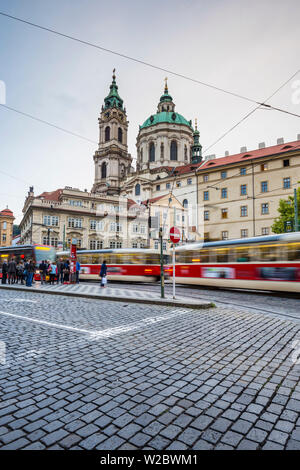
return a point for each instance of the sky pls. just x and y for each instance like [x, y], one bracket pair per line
[248, 47]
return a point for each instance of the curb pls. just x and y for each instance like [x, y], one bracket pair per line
[166, 302]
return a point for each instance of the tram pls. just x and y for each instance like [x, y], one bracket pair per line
[25, 252]
[123, 264]
[265, 263]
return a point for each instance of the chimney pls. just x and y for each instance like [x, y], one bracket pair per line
[226, 153]
[262, 145]
[280, 141]
[243, 149]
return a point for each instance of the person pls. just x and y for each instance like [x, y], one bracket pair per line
[103, 272]
[43, 267]
[66, 270]
[20, 269]
[77, 271]
[30, 273]
[60, 269]
[12, 270]
[52, 272]
[4, 272]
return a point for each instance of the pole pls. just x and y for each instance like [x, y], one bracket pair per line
[162, 278]
[296, 228]
[253, 200]
[48, 237]
[64, 238]
[174, 271]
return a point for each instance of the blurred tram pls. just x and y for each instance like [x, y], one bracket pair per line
[123, 264]
[23, 253]
[264, 263]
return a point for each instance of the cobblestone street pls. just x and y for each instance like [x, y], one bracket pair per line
[92, 374]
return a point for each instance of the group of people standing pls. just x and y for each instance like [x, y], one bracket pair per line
[13, 272]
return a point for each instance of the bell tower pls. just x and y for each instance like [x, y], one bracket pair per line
[112, 160]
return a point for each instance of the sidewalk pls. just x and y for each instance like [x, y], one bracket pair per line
[112, 294]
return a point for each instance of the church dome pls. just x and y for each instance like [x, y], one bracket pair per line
[166, 117]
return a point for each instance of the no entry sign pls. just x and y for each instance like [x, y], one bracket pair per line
[175, 235]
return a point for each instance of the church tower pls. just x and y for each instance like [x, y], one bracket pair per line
[112, 160]
[196, 147]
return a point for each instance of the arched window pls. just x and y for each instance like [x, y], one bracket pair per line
[120, 134]
[141, 155]
[151, 152]
[185, 152]
[173, 150]
[162, 151]
[103, 170]
[185, 203]
[137, 189]
[107, 134]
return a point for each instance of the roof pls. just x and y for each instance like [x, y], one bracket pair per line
[169, 117]
[154, 199]
[51, 196]
[7, 213]
[251, 154]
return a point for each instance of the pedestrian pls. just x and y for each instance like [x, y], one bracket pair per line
[52, 272]
[4, 272]
[66, 270]
[102, 274]
[30, 273]
[12, 270]
[43, 267]
[20, 269]
[77, 271]
[60, 271]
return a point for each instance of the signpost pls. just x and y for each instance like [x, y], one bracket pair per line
[175, 237]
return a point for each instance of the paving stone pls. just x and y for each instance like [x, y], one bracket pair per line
[257, 435]
[231, 438]
[293, 445]
[221, 425]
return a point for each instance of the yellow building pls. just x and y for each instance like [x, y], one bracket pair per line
[6, 227]
[238, 195]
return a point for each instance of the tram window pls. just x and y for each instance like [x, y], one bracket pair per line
[222, 255]
[268, 253]
[292, 252]
[242, 255]
[204, 256]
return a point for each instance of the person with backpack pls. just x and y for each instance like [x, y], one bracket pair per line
[103, 273]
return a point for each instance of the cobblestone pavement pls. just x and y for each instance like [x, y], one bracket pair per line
[86, 374]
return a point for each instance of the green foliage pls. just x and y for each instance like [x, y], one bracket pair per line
[287, 213]
[16, 230]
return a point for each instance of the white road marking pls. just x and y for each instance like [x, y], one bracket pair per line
[108, 332]
[19, 300]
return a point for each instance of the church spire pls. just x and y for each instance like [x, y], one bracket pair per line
[196, 147]
[113, 99]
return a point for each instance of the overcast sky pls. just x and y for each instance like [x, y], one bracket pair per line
[248, 47]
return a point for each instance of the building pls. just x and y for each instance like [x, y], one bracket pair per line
[6, 227]
[238, 195]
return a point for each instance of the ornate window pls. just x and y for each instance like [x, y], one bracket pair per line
[138, 189]
[152, 152]
[103, 170]
[120, 134]
[173, 150]
[107, 134]
[185, 203]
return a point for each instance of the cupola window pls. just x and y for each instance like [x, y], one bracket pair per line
[151, 152]
[120, 135]
[107, 134]
[173, 150]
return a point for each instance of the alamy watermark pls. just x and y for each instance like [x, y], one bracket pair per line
[2, 92]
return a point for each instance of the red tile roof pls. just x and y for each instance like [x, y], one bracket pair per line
[250, 155]
[7, 213]
[51, 196]
[154, 199]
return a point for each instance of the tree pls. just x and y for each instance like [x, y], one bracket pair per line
[287, 213]
[16, 230]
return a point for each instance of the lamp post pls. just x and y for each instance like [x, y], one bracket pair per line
[162, 278]
[296, 228]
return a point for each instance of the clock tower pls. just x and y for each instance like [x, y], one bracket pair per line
[112, 160]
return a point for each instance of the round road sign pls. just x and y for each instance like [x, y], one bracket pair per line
[175, 235]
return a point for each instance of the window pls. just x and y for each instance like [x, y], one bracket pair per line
[4, 225]
[134, 245]
[103, 170]
[264, 186]
[137, 189]
[206, 215]
[120, 135]
[189, 181]
[244, 233]
[156, 245]
[185, 203]
[135, 228]
[119, 244]
[74, 222]
[53, 242]
[206, 195]
[162, 151]
[224, 213]
[96, 225]
[243, 171]
[244, 211]
[164, 245]
[243, 189]
[107, 134]
[4, 237]
[205, 178]
[51, 220]
[75, 203]
[224, 235]
[152, 152]
[263, 166]
[96, 244]
[173, 150]
[115, 227]
[265, 208]
[286, 183]
[224, 174]
[178, 184]
[143, 229]
[185, 152]
[286, 162]
[224, 193]
[168, 185]
[158, 187]
[112, 244]
[265, 231]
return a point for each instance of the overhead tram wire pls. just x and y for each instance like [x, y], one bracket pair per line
[142, 62]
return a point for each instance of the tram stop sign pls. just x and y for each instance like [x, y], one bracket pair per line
[175, 235]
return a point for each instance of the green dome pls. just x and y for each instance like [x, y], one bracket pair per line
[166, 116]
